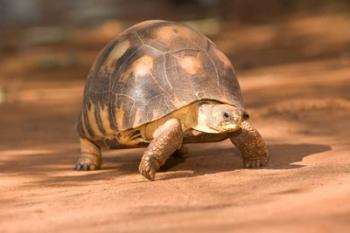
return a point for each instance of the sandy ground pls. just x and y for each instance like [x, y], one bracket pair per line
[296, 85]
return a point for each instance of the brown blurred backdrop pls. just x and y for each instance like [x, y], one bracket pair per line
[280, 36]
[87, 12]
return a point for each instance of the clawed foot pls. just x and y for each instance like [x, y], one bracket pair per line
[87, 164]
[255, 163]
[148, 168]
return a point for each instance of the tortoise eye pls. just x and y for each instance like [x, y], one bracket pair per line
[226, 115]
[245, 116]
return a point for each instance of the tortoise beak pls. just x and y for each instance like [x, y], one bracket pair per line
[232, 126]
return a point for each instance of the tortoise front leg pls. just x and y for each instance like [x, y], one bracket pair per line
[166, 140]
[90, 156]
[251, 145]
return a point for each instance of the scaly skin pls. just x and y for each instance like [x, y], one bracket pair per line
[251, 145]
[167, 139]
[90, 156]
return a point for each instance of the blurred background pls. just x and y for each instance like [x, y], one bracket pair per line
[56, 40]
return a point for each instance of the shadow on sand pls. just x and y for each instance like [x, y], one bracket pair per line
[200, 160]
[213, 160]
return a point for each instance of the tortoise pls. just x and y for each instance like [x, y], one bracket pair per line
[162, 84]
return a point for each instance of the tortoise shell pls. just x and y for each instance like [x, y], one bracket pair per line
[149, 71]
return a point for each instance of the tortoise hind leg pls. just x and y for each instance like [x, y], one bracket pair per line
[90, 156]
[251, 145]
[166, 140]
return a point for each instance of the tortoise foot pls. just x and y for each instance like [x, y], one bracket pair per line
[255, 163]
[148, 168]
[90, 156]
[87, 164]
[84, 167]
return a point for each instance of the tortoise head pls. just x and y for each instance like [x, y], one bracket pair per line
[220, 117]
